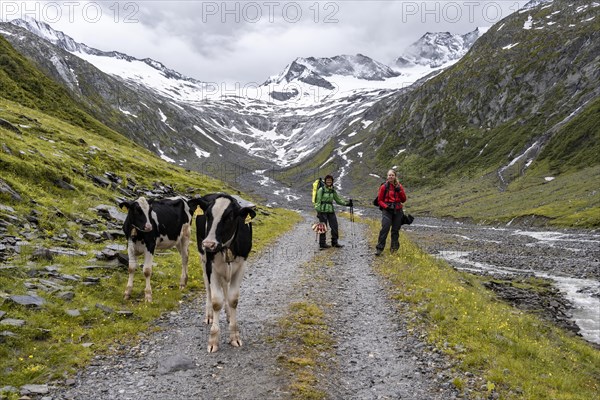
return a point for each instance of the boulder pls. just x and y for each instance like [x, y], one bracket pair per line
[32, 301]
[6, 189]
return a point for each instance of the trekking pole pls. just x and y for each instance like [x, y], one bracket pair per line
[352, 224]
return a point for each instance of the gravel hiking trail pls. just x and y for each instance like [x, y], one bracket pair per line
[373, 355]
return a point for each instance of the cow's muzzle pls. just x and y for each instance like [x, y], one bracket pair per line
[211, 246]
[147, 228]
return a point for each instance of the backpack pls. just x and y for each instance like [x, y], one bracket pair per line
[317, 184]
[376, 200]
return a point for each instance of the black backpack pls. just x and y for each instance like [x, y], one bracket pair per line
[376, 200]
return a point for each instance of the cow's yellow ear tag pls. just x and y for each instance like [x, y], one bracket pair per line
[248, 219]
[199, 211]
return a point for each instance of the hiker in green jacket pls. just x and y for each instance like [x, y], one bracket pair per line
[326, 195]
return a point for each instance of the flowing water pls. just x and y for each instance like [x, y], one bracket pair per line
[571, 259]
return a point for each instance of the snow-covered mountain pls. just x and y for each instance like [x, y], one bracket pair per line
[436, 49]
[322, 73]
[306, 80]
[288, 118]
[155, 74]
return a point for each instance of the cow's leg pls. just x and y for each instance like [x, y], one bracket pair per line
[233, 295]
[216, 298]
[183, 246]
[148, 257]
[208, 307]
[132, 266]
[226, 295]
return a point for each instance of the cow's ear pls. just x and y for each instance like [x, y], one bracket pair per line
[126, 204]
[202, 202]
[194, 203]
[244, 212]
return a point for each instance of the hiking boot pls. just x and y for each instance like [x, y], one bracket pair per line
[339, 246]
[378, 252]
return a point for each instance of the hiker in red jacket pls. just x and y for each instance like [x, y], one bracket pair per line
[390, 199]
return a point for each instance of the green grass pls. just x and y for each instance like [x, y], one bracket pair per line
[570, 200]
[463, 183]
[304, 331]
[519, 355]
[53, 345]
[21, 82]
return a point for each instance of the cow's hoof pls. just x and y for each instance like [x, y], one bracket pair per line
[148, 298]
[236, 342]
[213, 348]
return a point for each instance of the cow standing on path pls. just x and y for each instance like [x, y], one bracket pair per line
[224, 242]
[157, 224]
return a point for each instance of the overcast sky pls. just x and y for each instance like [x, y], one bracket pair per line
[248, 41]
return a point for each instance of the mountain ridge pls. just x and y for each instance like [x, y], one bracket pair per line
[439, 48]
[253, 126]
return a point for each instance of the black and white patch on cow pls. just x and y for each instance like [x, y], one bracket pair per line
[157, 224]
[224, 242]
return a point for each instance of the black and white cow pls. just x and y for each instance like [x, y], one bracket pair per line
[157, 224]
[224, 242]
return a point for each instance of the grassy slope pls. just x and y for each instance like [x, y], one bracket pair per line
[571, 198]
[55, 141]
[24, 84]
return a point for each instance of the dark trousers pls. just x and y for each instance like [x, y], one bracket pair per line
[331, 219]
[390, 219]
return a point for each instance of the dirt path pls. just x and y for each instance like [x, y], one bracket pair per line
[374, 357]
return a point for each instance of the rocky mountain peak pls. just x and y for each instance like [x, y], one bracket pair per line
[316, 69]
[438, 48]
[61, 40]
[45, 31]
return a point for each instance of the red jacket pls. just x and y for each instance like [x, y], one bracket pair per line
[393, 195]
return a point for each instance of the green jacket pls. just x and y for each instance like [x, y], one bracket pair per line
[325, 198]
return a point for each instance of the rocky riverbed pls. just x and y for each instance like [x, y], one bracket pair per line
[568, 259]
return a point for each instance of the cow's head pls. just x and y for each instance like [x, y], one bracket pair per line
[138, 214]
[223, 214]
